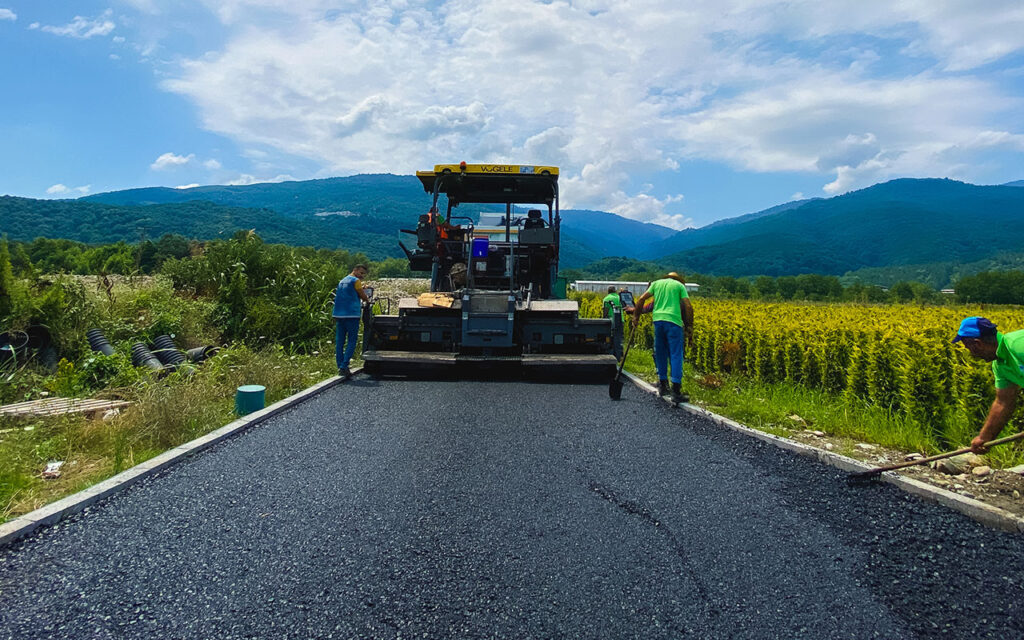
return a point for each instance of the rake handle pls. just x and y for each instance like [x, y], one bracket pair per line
[941, 456]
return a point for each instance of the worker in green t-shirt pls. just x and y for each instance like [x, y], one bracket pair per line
[611, 303]
[1006, 353]
[673, 320]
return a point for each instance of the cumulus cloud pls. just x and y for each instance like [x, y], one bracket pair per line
[81, 27]
[212, 164]
[171, 161]
[247, 179]
[609, 90]
[61, 189]
[187, 186]
[7, 14]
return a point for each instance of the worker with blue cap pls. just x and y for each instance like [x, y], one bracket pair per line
[1006, 353]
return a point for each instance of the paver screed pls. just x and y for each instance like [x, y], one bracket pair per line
[396, 508]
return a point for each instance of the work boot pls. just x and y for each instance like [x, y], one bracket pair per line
[662, 387]
[677, 395]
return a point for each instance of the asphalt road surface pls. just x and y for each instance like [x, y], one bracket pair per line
[400, 509]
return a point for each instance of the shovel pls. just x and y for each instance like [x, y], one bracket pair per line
[865, 476]
[615, 386]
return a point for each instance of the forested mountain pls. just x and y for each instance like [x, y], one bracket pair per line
[906, 222]
[26, 219]
[382, 204]
[939, 275]
[901, 222]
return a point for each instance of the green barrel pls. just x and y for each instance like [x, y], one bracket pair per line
[249, 398]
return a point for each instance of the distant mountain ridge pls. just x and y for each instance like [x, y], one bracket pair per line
[900, 222]
[381, 204]
[360, 213]
[903, 221]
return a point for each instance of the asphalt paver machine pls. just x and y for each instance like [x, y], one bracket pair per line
[493, 298]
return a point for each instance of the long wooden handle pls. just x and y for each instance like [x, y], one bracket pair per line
[622, 365]
[948, 454]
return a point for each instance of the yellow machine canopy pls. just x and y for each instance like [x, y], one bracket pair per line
[492, 183]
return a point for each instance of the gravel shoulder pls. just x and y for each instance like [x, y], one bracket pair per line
[386, 509]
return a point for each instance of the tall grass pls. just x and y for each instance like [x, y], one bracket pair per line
[166, 412]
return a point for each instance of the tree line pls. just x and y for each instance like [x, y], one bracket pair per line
[989, 287]
[149, 257]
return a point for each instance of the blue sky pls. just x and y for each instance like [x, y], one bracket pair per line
[679, 113]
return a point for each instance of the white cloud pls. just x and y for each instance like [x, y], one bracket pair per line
[212, 164]
[7, 14]
[247, 179]
[171, 161]
[609, 90]
[61, 189]
[83, 28]
[187, 186]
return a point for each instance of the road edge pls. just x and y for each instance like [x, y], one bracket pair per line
[979, 511]
[56, 511]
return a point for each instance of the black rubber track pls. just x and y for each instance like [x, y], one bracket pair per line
[508, 510]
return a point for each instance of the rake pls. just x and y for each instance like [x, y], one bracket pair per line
[865, 476]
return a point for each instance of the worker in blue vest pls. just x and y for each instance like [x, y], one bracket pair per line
[348, 299]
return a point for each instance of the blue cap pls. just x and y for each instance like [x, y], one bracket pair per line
[974, 327]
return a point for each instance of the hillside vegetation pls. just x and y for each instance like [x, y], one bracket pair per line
[927, 230]
[900, 222]
[381, 204]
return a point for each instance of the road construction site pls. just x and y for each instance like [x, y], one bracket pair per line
[401, 508]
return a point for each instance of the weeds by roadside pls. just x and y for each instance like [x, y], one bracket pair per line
[782, 408]
[167, 412]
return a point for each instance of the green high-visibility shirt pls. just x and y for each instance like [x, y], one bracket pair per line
[1008, 367]
[612, 299]
[668, 294]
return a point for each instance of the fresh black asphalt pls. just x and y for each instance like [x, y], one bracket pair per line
[419, 509]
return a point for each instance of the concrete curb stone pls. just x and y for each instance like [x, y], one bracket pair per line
[56, 511]
[975, 509]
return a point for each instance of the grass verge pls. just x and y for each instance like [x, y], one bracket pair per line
[782, 408]
[167, 412]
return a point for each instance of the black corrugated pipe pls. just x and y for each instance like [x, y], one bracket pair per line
[143, 357]
[13, 345]
[167, 352]
[97, 342]
[200, 354]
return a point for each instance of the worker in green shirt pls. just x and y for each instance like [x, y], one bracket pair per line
[611, 303]
[673, 320]
[1006, 353]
